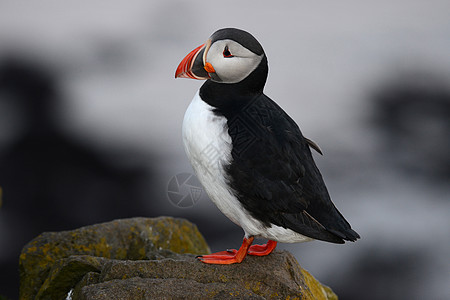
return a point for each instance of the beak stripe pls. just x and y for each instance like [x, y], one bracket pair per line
[184, 68]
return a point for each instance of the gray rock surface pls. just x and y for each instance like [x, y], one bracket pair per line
[153, 258]
[276, 276]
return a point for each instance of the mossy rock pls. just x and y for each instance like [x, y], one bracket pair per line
[143, 258]
[276, 276]
[49, 267]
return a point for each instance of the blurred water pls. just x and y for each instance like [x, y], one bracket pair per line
[115, 62]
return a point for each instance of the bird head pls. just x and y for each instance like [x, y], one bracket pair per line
[229, 56]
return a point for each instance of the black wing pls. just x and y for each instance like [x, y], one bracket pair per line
[274, 175]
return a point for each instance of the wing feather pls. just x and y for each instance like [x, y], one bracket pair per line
[275, 177]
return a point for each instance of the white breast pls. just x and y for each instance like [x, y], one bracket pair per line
[208, 147]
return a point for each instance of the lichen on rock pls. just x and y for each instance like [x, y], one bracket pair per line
[47, 255]
[153, 258]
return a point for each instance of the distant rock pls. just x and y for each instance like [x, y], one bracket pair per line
[144, 258]
[412, 112]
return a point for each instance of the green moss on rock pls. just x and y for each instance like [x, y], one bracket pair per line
[317, 290]
[143, 258]
[132, 239]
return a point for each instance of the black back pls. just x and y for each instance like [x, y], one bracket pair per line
[272, 172]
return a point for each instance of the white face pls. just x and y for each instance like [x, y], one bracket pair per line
[231, 61]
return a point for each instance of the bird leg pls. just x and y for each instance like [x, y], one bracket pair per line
[229, 256]
[261, 250]
[257, 250]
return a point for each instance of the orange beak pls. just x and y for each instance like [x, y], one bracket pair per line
[193, 66]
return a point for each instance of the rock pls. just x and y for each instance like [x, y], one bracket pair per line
[170, 288]
[275, 276]
[66, 273]
[153, 258]
[47, 263]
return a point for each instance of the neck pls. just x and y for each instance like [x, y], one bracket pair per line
[226, 96]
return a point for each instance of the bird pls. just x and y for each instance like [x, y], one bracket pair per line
[250, 155]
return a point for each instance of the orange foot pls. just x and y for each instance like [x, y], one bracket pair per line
[233, 256]
[261, 250]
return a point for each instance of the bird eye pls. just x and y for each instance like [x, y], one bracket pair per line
[226, 52]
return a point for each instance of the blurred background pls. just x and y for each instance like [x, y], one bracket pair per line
[90, 125]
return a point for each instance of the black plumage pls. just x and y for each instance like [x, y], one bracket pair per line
[272, 171]
[263, 177]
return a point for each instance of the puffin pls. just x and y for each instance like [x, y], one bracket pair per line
[250, 155]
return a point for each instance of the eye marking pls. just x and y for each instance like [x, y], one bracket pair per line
[226, 52]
